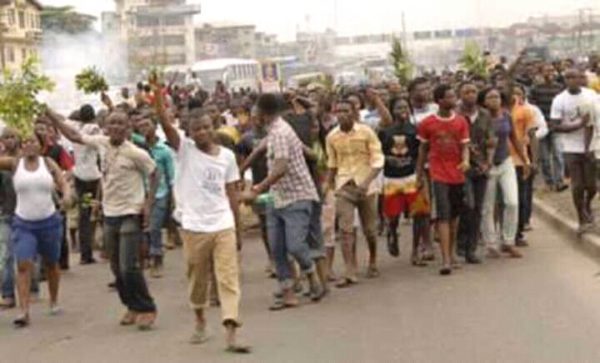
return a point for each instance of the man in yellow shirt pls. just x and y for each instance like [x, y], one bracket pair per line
[355, 161]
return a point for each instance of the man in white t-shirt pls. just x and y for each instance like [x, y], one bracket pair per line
[87, 179]
[573, 117]
[206, 183]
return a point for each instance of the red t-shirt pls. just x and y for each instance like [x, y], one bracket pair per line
[445, 138]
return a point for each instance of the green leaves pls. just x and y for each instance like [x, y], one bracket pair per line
[18, 91]
[473, 61]
[91, 81]
[403, 68]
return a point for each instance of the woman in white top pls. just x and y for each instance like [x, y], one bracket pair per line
[36, 227]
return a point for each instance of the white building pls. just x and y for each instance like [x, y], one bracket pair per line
[20, 31]
[156, 32]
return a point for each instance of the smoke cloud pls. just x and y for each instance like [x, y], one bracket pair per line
[63, 56]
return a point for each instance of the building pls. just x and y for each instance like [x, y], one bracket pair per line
[225, 40]
[20, 31]
[156, 32]
[266, 45]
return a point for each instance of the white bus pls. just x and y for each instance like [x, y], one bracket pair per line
[234, 73]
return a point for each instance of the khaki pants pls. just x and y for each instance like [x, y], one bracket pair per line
[220, 247]
[347, 201]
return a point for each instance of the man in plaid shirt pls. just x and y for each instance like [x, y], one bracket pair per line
[293, 193]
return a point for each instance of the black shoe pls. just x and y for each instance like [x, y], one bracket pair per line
[472, 259]
[90, 261]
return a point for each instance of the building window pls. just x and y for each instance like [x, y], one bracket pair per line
[174, 20]
[10, 54]
[23, 54]
[11, 17]
[174, 40]
[144, 21]
[22, 19]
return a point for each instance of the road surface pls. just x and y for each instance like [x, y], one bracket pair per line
[543, 308]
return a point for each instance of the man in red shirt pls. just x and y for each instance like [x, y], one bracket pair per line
[444, 144]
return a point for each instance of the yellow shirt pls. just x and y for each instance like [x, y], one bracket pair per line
[522, 121]
[354, 154]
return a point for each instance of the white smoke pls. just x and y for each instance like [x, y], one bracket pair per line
[63, 56]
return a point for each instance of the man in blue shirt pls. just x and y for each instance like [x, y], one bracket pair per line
[163, 157]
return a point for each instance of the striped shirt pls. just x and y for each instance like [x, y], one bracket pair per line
[297, 184]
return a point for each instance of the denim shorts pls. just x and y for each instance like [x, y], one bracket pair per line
[449, 202]
[40, 237]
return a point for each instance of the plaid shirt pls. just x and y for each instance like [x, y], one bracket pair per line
[296, 185]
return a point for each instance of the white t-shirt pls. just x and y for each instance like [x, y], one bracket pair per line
[420, 114]
[86, 157]
[570, 108]
[200, 188]
[540, 122]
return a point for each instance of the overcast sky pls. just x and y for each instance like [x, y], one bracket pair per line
[368, 16]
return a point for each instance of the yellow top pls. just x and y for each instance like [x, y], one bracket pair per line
[354, 154]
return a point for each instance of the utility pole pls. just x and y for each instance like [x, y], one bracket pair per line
[3, 29]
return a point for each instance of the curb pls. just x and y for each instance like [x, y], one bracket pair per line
[589, 243]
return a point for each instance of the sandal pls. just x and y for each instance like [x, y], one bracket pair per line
[346, 282]
[21, 321]
[372, 272]
[146, 321]
[456, 265]
[7, 304]
[446, 271]
[418, 261]
[279, 305]
[128, 319]
[238, 349]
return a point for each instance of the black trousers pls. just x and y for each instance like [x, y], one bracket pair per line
[123, 237]
[469, 230]
[525, 186]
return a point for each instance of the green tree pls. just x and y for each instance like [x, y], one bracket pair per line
[63, 19]
[473, 61]
[403, 68]
[18, 96]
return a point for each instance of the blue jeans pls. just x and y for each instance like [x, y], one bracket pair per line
[288, 230]
[315, 232]
[160, 210]
[553, 165]
[8, 263]
[122, 238]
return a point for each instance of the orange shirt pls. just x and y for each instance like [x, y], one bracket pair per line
[523, 120]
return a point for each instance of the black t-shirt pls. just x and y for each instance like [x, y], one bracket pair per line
[401, 148]
[250, 140]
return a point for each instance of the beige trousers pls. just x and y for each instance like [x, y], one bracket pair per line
[220, 247]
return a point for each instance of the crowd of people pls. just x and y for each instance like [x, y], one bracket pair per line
[453, 154]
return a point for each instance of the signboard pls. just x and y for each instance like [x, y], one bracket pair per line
[270, 77]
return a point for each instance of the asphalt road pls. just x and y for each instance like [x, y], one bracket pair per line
[543, 308]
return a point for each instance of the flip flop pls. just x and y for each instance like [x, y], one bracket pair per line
[21, 321]
[418, 262]
[238, 349]
[281, 305]
[372, 272]
[446, 271]
[345, 282]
